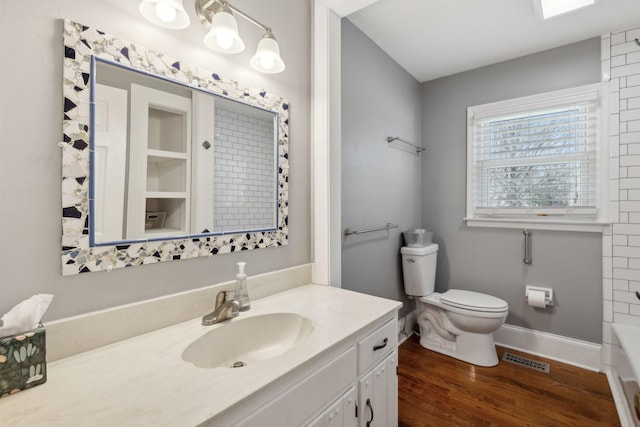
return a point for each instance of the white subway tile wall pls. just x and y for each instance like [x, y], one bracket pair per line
[621, 247]
[244, 177]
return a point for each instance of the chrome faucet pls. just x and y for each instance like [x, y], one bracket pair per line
[226, 308]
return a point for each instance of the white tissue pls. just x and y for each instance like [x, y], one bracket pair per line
[25, 316]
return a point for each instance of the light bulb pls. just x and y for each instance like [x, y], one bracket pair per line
[225, 40]
[267, 62]
[165, 12]
[267, 58]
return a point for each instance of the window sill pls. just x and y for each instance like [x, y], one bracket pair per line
[532, 224]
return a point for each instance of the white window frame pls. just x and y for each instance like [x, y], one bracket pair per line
[565, 222]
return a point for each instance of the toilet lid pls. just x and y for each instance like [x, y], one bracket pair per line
[474, 301]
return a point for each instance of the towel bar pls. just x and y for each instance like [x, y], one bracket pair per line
[348, 231]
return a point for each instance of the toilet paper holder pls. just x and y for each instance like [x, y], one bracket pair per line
[548, 293]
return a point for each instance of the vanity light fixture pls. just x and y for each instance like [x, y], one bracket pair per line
[165, 13]
[218, 17]
[550, 8]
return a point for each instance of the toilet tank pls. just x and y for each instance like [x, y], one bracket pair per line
[419, 269]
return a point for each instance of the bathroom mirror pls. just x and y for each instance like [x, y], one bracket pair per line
[173, 161]
[163, 160]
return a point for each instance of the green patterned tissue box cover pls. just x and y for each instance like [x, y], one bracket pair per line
[22, 361]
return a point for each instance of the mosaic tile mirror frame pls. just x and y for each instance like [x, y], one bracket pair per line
[81, 44]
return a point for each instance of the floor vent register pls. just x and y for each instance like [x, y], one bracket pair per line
[528, 363]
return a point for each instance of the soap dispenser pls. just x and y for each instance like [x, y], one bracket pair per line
[241, 294]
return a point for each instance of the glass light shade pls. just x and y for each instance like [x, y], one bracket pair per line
[267, 58]
[551, 8]
[165, 13]
[223, 35]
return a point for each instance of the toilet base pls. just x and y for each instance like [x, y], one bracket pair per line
[463, 334]
[477, 349]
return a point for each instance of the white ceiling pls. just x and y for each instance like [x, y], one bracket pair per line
[436, 38]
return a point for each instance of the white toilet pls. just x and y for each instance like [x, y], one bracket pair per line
[457, 323]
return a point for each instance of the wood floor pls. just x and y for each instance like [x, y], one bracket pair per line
[436, 390]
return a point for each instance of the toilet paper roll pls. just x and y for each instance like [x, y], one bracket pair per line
[536, 299]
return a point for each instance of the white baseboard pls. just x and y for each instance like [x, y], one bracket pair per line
[567, 350]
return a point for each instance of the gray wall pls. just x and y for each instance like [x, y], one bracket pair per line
[380, 182]
[490, 260]
[30, 160]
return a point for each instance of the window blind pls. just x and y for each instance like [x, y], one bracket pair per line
[537, 161]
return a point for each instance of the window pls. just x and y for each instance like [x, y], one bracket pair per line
[539, 161]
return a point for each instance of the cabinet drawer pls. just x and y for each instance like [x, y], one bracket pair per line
[377, 346]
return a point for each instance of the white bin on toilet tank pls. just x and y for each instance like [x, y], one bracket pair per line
[457, 323]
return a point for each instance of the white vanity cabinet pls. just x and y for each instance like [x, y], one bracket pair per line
[348, 358]
[341, 389]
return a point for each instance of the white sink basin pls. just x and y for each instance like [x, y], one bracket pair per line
[245, 341]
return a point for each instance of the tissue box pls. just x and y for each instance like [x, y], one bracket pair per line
[22, 361]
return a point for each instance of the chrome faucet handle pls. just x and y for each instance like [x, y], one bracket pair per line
[235, 308]
[229, 309]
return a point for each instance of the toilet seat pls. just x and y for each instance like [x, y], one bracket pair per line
[467, 310]
[473, 301]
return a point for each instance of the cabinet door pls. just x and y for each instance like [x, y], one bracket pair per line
[334, 415]
[366, 412]
[350, 403]
[378, 395]
[342, 413]
[392, 389]
[317, 421]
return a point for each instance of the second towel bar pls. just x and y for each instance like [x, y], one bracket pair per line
[390, 139]
[348, 231]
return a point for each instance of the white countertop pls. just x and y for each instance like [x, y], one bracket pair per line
[629, 338]
[144, 381]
